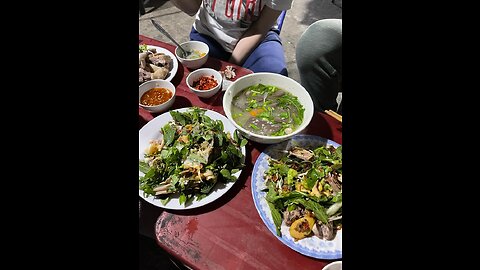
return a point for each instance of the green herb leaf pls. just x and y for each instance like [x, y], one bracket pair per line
[143, 166]
[178, 117]
[182, 199]
[312, 176]
[243, 142]
[254, 126]
[277, 217]
[168, 134]
[201, 196]
[197, 158]
[318, 209]
[165, 201]
[290, 175]
[207, 187]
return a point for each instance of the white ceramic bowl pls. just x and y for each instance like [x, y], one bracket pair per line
[193, 45]
[197, 74]
[280, 81]
[157, 83]
[337, 265]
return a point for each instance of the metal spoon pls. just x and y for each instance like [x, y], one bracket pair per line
[159, 28]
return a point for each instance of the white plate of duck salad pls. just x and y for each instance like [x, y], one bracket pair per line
[297, 190]
[188, 157]
[155, 63]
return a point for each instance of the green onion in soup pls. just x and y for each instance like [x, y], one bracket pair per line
[267, 110]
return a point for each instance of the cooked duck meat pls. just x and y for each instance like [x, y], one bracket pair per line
[160, 60]
[262, 127]
[143, 75]
[327, 231]
[160, 73]
[334, 183]
[241, 102]
[278, 93]
[142, 63]
[290, 216]
[301, 153]
[277, 114]
[324, 231]
[316, 230]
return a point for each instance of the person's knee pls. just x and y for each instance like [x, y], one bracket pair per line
[269, 65]
[268, 57]
[319, 39]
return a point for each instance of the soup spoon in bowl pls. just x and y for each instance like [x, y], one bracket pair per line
[186, 53]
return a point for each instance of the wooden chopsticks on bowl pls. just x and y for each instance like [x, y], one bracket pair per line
[334, 115]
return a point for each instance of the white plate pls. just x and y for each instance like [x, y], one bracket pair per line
[174, 68]
[151, 130]
[311, 246]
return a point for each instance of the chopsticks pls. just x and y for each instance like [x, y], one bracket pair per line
[334, 115]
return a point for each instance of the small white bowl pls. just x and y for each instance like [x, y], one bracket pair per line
[337, 265]
[280, 81]
[157, 83]
[189, 46]
[197, 74]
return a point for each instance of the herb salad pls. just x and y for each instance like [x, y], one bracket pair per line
[304, 191]
[193, 155]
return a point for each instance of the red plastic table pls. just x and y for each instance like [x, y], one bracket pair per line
[228, 233]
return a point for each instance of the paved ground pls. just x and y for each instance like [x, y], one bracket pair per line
[302, 14]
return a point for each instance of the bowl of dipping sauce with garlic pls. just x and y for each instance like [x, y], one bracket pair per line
[156, 96]
[204, 82]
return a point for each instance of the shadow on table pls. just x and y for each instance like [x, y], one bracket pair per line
[152, 257]
[177, 79]
[213, 63]
[181, 102]
[319, 126]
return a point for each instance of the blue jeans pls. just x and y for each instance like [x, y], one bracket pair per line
[267, 57]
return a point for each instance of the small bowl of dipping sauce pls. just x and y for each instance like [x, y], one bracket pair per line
[204, 82]
[156, 95]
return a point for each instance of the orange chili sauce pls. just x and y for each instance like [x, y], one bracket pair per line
[205, 83]
[156, 96]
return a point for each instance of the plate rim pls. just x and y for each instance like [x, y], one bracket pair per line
[225, 189]
[174, 69]
[256, 200]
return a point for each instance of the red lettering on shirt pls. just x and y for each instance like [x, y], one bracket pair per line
[227, 8]
[213, 5]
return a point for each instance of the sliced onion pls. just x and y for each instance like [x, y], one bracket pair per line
[334, 208]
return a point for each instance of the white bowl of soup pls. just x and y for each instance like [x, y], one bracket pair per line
[198, 54]
[268, 107]
[156, 95]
